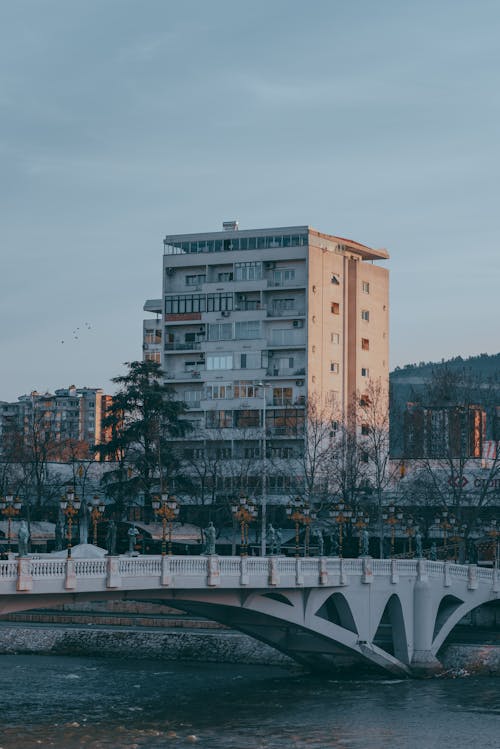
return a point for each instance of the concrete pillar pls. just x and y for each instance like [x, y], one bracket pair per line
[244, 576]
[274, 577]
[323, 571]
[213, 570]
[166, 577]
[472, 577]
[70, 579]
[367, 574]
[423, 660]
[113, 579]
[24, 577]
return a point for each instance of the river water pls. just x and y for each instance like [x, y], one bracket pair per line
[67, 702]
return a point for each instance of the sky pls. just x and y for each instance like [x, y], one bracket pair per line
[122, 121]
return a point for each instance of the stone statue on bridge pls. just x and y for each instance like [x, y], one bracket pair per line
[23, 539]
[333, 545]
[111, 538]
[433, 553]
[271, 539]
[320, 541]
[210, 535]
[365, 543]
[279, 540]
[418, 545]
[132, 535]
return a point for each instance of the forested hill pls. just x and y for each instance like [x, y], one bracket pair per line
[485, 367]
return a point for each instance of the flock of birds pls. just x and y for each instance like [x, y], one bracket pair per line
[76, 333]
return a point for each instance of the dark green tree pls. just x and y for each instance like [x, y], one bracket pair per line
[142, 421]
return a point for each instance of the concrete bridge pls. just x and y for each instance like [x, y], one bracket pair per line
[393, 613]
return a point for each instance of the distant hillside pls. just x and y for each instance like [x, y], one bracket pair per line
[484, 366]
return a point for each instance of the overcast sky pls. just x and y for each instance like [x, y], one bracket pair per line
[125, 120]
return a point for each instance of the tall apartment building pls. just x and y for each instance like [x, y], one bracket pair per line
[305, 313]
[69, 415]
[444, 431]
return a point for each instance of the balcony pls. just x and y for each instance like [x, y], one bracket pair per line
[278, 312]
[178, 346]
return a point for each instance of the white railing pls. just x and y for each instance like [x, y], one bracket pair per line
[50, 575]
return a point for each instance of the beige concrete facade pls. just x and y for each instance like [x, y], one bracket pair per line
[304, 312]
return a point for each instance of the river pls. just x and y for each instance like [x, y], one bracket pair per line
[103, 703]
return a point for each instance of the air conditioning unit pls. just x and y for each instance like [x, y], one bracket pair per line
[299, 383]
[269, 266]
[170, 271]
[298, 323]
[225, 313]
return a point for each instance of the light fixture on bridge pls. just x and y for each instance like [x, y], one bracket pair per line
[166, 508]
[70, 506]
[96, 509]
[10, 506]
[244, 512]
[299, 511]
[342, 515]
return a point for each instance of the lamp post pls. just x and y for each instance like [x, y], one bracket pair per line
[10, 507]
[298, 510]
[244, 512]
[167, 509]
[96, 509]
[263, 529]
[447, 522]
[342, 514]
[392, 517]
[70, 505]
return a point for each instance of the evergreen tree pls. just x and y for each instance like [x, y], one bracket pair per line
[143, 419]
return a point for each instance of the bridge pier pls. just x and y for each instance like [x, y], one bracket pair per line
[423, 662]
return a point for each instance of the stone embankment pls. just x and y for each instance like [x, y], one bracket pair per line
[147, 630]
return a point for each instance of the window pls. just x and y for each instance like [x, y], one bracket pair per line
[247, 329]
[283, 275]
[153, 356]
[251, 452]
[195, 279]
[191, 397]
[246, 418]
[283, 305]
[219, 419]
[365, 372]
[244, 389]
[365, 344]
[152, 336]
[365, 457]
[226, 276]
[282, 396]
[219, 302]
[365, 286]
[221, 390]
[334, 338]
[248, 271]
[365, 429]
[365, 314]
[334, 278]
[185, 303]
[222, 453]
[281, 452]
[334, 367]
[219, 361]
[364, 401]
[222, 331]
[335, 308]
[282, 336]
[250, 360]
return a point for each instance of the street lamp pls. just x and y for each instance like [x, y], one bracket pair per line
[70, 505]
[244, 512]
[342, 514]
[263, 529]
[9, 507]
[167, 509]
[392, 517]
[299, 511]
[447, 522]
[96, 509]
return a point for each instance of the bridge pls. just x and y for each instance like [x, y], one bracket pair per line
[392, 613]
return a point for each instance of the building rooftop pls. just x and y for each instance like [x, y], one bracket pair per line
[367, 253]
